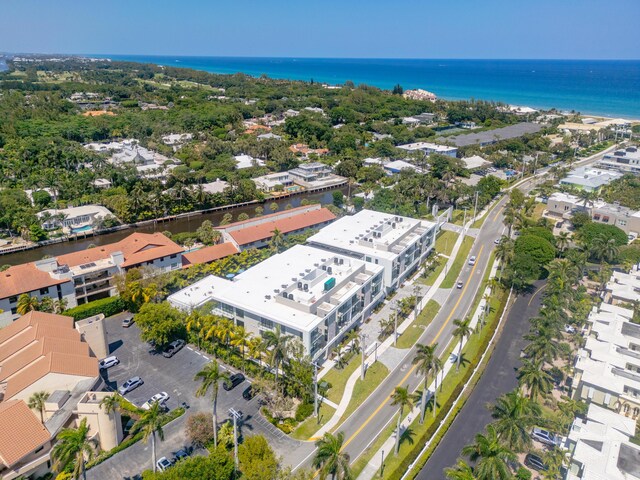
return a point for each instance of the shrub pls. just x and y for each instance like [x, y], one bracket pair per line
[107, 306]
[592, 230]
[303, 411]
[200, 429]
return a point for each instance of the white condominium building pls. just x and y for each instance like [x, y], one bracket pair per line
[310, 293]
[399, 244]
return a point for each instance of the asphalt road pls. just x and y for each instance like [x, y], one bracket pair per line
[499, 377]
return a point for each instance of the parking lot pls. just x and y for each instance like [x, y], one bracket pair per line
[175, 376]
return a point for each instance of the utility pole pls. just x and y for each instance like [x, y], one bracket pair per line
[235, 415]
[416, 295]
[363, 338]
[475, 205]
[464, 220]
[395, 309]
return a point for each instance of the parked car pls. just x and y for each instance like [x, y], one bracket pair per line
[248, 393]
[546, 437]
[233, 381]
[180, 455]
[109, 362]
[570, 329]
[472, 260]
[158, 397]
[535, 462]
[130, 384]
[163, 464]
[173, 348]
[459, 284]
[127, 321]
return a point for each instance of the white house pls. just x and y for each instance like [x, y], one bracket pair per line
[76, 219]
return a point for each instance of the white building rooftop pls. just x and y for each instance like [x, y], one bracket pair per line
[475, 161]
[426, 146]
[247, 161]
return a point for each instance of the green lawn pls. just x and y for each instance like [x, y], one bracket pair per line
[538, 210]
[445, 242]
[430, 279]
[310, 426]
[458, 263]
[417, 328]
[338, 379]
[375, 374]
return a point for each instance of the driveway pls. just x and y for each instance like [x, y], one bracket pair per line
[176, 377]
[499, 377]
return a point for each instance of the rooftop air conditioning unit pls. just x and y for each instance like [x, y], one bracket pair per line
[284, 294]
[306, 287]
[294, 279]
[300, 285]
[276, 291]
[284, 285]
[335, 260]
[316, 264]
[268, 297]
[393, 225]
[307, 270]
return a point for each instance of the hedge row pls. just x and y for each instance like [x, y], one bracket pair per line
[169, 417]
[107, 306]
[440, 416]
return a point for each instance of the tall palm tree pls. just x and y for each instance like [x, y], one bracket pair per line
[59, 306]
[150, 424]
[240, 339]
[461, 471]
[400, 398]
[210, 376]
[515, 414]
[542, 349]
[535, 379]
[562, 241]
[604, 248]
[427, 362]
[27, 303]
[111, 404]
[562, 273]
[37, 401]
[490, 455]
[504, 252]
[277, 346]
[461, 331]
[330, 459]
[73, 447]
[277, 240]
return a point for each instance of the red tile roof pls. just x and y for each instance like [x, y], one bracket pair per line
[25, 278]
[20, 432]
[31, 319]
[208, 254]
[263, 231]
[137, 248]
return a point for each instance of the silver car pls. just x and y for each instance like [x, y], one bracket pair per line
[129, 385]
[546, 437]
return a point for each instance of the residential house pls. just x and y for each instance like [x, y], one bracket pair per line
[74, 219]
[247, 161]
[589, 179]
[625, 160]
[273, 182]
[429, 148]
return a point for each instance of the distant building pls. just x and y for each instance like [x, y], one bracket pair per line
[429, 148]
[215, 187]
[475, 162]
[247, 161]
[257, 232]
[305, 151]
[269, 183]
[102, 183]
[396, 166]
[310, 172]
[589, 179]
[421, 119]
[490, 137]
[176, 140]
[625, 160]
[419, 94]
[269, 136]
[75, 219]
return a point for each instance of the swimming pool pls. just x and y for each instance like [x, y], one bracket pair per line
[85, 228]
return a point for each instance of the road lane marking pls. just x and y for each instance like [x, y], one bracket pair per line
[404, 379]
[536, 293]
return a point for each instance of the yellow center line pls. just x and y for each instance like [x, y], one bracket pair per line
[412, 369]
[497, 213]
[537, 292]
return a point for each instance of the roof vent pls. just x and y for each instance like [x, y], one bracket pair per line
[268, 297]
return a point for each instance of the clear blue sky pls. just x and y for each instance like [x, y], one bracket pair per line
[601, 29]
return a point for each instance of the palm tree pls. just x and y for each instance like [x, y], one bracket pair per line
[256, 349]
[604, 248]
[210, 376]
[504, 252]
[563, 273]
[587, 197]
[461, 331]
[73, 447]
[402, 399]
[277, 346]
[150, 424]
[490, 455]
[535, 379]
[562, 241]
[427, 362]
[542, 349]
[461, 471]
[515, 414]
[240, 338]
[277, 240]
[37, 401]
[59, 306]
[330, 459]
[111, 404]
[27, 303]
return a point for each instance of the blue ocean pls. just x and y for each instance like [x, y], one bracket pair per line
[601, 87]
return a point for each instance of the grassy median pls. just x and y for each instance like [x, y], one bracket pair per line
[458, 263]
[411, 335]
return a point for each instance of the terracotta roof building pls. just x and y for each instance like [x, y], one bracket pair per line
[208, 254]
[15, 416]
[80, 277]
[257, 232]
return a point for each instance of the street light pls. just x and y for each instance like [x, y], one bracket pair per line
[395, 308]
[363, 338]
[236, 416]
[416, 295]
[315, 391]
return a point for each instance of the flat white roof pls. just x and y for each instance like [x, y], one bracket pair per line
[398, 165]
[73, 212]
[353, 232]
[475, 161]
[247, 161]
[257, 289]
[427, 146]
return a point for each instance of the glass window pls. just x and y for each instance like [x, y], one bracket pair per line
[44, 291]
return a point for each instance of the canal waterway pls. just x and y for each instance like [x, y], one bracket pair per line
[177, 225]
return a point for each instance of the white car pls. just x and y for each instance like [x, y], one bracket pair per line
[163, 464]
[109, 362]
[158, 397]
[472, 260]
